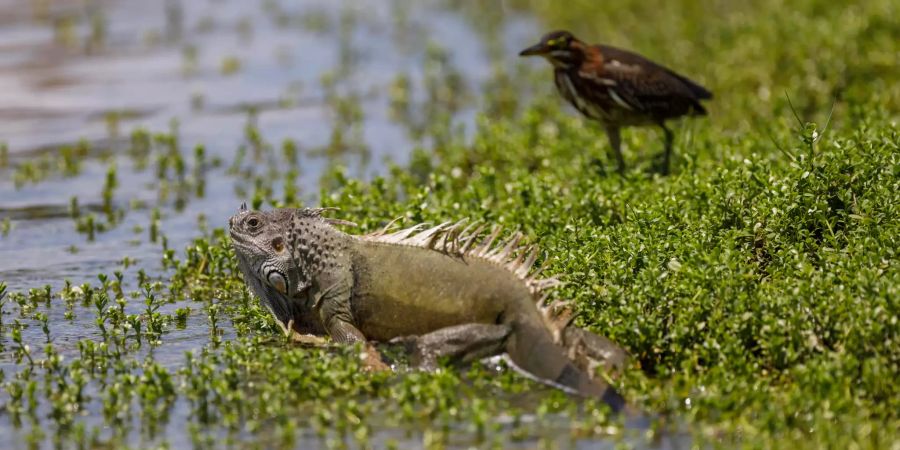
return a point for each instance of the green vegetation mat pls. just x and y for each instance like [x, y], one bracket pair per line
[757, 288]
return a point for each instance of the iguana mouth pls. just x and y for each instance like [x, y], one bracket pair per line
[238, 239]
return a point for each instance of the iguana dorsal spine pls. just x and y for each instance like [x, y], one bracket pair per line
[461, 238]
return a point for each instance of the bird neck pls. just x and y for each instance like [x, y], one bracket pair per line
[568, 59]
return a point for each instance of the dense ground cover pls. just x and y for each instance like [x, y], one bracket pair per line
[757, 287]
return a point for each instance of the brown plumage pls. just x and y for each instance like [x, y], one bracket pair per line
[619, 88]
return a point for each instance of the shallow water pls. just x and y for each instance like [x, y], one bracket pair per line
[201, 72]
[55, 93]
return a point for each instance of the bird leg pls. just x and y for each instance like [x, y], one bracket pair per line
[669, 137]
[615, 142]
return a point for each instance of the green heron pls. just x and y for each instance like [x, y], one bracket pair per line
[619, 88]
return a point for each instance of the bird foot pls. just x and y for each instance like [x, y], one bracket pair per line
[597, 165]
[660, 165]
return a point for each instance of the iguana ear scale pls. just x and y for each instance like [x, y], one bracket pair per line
[387, 227]
[340, 222]
[457, 239]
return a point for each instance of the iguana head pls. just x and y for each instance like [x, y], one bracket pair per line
[281, 251]
[261, 243]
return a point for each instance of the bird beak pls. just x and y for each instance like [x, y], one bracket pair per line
[536, 49]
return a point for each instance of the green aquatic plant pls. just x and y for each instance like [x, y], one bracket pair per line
[72, 157]
[755, 288]
[189, 60]
[2, 303]
[230, 65]
[6, 226]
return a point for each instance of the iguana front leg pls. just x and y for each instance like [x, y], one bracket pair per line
[344, 332]
[332, 303]
[300, 337]
[461, 344]
[333, 306]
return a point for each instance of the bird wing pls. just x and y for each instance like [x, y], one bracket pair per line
[638, 84]
[691, 88]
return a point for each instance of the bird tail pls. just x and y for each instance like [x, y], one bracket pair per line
[697, 109]
[700, 92]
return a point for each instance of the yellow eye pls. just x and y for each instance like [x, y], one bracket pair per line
[551, 43]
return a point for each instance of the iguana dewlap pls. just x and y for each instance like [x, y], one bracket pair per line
[460, 294]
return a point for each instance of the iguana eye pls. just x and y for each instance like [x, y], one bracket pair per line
[253, 222]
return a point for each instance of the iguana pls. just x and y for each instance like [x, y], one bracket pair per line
[445, 291]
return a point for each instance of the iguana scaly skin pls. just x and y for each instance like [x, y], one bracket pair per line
[446, 291]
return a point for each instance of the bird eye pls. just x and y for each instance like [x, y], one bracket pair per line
[551, 42]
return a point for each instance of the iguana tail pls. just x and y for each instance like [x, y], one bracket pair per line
[533, 351]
